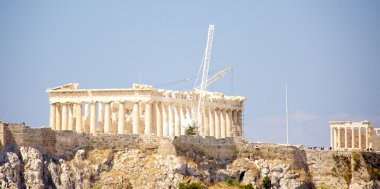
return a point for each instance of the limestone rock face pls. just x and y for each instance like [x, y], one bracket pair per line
[10, 170]
[152, 162]
[33, 167]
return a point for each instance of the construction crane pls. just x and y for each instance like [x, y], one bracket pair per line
[198, 115]
[211, 80]
[215, 77]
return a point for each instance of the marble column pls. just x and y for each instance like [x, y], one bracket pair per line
[86, 118]
[121, 119]
[240, 121]
[345, 137]
[154, 119]
[177, 121]
[93, 119]
[52, 116]
[69, 117]
[206, 126]
[229, 123]
[223, 123]
[58, 117]
[353, 137]
[339, 141]
[64, 117]
[86, 125]
[136, 118]
[107, 118]
[217, 123]
[366, 138]
[335, 139]
[148, 118]
[158, 119]
[114, 121]
[171, 121]
[211, 119]
[360, 138]
[165, 124]
[183, 119]
[331, 137]
[70, 121]
[78, 120]
[235, 122]
[101, 118]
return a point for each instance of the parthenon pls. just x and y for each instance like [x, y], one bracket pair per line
[142, 109]
[347, 135]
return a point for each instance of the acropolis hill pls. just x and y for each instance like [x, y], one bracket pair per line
[144, 137]
[134, 138]
[45, 158]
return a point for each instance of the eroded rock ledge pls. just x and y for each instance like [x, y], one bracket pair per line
[133, 161]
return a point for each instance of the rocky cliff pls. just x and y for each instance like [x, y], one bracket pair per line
[132, 161]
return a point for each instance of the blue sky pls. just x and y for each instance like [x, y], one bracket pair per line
[327, 51]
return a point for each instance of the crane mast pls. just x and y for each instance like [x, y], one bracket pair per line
[203, 85]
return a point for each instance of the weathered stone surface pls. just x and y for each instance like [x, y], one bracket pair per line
[132, 161]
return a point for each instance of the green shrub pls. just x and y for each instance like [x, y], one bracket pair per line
[191, 130]
[248, 186]
[374, 172]
[266, 182]
[193, 185]
[232, 182]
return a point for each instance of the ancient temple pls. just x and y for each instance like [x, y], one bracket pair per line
[142, 109]
[347, 135]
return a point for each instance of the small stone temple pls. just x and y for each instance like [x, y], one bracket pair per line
[347, 135]
[142, 109]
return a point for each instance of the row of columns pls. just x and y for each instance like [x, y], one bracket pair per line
[162, 119]
[349, 133]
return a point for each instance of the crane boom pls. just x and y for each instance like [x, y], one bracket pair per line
[215, 77]
[203, 85]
